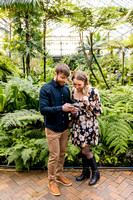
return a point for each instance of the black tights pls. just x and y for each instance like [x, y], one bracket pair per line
[86, 151]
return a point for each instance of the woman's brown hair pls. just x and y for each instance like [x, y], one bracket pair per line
[80, 75]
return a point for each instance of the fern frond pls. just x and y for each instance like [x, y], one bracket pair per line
[102, 128]
[34, 154]
[14, 155]
[118, 135]
[42, 142]
[43, 155]
[26, 154]
[20, 118]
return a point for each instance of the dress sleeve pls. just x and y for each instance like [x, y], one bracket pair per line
[94, 108]
[73, 94]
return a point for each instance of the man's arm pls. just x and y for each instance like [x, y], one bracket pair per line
[44, 100]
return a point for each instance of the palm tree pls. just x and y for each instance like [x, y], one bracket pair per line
[123, 46]
[21, 6]
[92, 20]
[53, 11]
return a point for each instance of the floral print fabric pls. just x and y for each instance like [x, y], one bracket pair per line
[84, 130]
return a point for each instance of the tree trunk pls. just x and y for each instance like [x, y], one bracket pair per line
[27, 44]
[23, 65]
[91, 45]
[123, 56]
[100, 70]
[93, 56]
[107, 55]
[44, 47]
[86, 57]
[10, 40]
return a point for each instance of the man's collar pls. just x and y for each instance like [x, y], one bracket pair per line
[56, 84]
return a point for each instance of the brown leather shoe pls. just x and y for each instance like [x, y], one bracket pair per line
[54, 188]
[64, 180]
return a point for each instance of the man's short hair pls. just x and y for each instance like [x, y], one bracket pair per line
[62, 68]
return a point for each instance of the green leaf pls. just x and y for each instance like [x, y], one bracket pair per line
[26, 154]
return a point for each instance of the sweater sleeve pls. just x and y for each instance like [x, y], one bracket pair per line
[44, 103]
[94, 107]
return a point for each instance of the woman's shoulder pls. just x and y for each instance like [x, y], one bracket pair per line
[93, 90]
[73, 89]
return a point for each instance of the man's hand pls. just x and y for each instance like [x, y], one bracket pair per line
[69, 108]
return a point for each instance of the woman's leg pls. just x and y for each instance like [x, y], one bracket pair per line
[86, 151]
[86, 170]
[91, 163]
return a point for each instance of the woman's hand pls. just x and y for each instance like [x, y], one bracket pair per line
[85, 100]
[74, 110]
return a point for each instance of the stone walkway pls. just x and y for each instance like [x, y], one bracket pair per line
[114, 184]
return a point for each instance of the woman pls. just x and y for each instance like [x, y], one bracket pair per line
[84, 131]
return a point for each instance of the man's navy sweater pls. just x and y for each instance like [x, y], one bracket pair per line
[51, 99]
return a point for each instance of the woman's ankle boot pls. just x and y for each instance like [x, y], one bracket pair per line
[86, 171]
[95, 171]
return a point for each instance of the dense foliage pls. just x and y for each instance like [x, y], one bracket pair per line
[22, 136]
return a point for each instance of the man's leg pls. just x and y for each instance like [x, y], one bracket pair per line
[59, 171]
[53, 144]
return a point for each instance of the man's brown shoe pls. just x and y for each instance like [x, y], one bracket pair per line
[64, 180]
[54, 188]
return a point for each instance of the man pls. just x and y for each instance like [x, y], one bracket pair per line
[54, 103]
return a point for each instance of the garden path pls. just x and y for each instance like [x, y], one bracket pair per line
[32, 185]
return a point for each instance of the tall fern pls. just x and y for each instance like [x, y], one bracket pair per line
[116, 122]
[20, 118]
[24, 147]
[118, 135]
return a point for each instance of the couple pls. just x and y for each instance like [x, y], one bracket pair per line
[55, 104]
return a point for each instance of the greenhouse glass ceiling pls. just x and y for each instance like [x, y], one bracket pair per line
[102, 3]
[122, 31]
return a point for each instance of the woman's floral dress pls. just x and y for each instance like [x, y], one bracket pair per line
[84, 130]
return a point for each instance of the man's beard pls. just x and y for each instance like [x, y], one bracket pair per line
[61, 83]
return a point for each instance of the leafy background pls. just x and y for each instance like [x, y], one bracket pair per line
[22, 137]
[25, 65]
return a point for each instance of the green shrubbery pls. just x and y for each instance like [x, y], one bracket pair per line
[22, 136]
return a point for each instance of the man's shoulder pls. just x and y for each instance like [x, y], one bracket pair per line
[46, 86]
[66, 87]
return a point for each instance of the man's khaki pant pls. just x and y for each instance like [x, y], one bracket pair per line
[57, 143]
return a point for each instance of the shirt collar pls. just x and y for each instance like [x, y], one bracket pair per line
[56, 84]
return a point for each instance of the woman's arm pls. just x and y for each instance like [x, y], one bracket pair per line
[94, 106]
